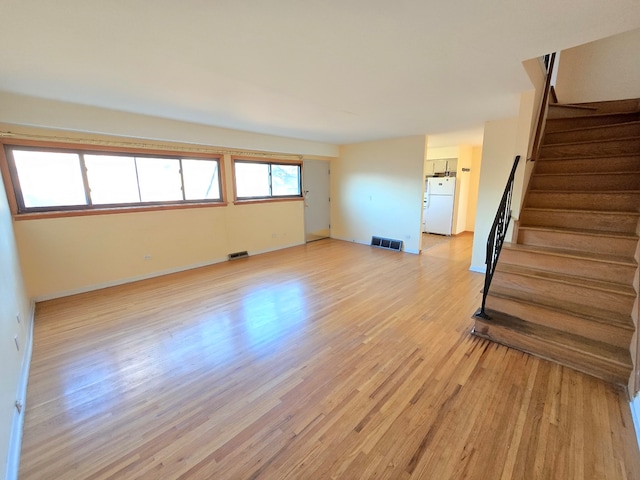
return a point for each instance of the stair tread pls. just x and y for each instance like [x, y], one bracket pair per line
[635, 102]
[593, 314]
[561, 252]
[582, 211]
[606, 286]
[586, 174]
[590, 157]
[597, 127]
[582, 142]
[595, 192]
[595, 115]
[581, 231]
[572, 105]
[593, 348]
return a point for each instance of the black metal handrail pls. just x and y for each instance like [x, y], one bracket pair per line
[497, 235]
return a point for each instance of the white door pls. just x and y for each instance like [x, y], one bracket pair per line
[316, 199]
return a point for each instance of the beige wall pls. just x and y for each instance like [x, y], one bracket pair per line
[474, 184]
[462, 200]
[82, 121]
[527, 118]
[503, 141]
[607, 69]
[497, 159]
[67, 255]
[13, 301]
[377, 189]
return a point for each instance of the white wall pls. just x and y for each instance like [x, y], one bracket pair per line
[497, 159]
[13, 301]
[377, 189]
[607, 69]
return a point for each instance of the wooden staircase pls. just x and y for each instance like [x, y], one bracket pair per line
[565, 291]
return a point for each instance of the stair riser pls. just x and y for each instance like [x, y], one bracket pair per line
[582, 361]
[589, 165]
[565, 321]
[531, 289]
[600, 182]
[610, 272]
[605, 132]
[591, 149]
[614, 202]
[603, 222]
[624, 247]
[560, 124]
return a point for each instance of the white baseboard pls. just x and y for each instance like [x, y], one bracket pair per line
[351, 240]
[635, 413]
[259, 252]
[15, 441]
[122, 281]
[482, 269]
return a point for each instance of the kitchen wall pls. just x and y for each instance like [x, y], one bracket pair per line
[377, 188]
[461, 206]
[607, 69]
[434, 153]
[466, 196]
[13, 368]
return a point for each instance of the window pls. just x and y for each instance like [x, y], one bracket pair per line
[263, 180]
[56, 180]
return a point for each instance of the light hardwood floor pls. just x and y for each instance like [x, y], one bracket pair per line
[330, 360]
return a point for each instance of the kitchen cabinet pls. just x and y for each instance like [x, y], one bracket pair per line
[429, 170]
[441, 166]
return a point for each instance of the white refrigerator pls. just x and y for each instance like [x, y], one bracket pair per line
[438, 205]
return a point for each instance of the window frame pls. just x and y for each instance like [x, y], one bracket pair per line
[16, 198]
[270, 197]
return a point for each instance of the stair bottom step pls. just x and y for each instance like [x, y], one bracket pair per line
[610, 363]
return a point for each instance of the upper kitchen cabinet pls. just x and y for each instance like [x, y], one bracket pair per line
[441, 166]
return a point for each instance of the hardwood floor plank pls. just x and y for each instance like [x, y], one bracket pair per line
[328, 360]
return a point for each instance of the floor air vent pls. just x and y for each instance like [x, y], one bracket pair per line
[236, 255]
[387, 243]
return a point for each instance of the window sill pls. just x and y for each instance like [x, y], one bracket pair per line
[113, 210]
[268, 200]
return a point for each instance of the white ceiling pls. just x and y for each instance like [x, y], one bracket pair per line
[334, 71]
